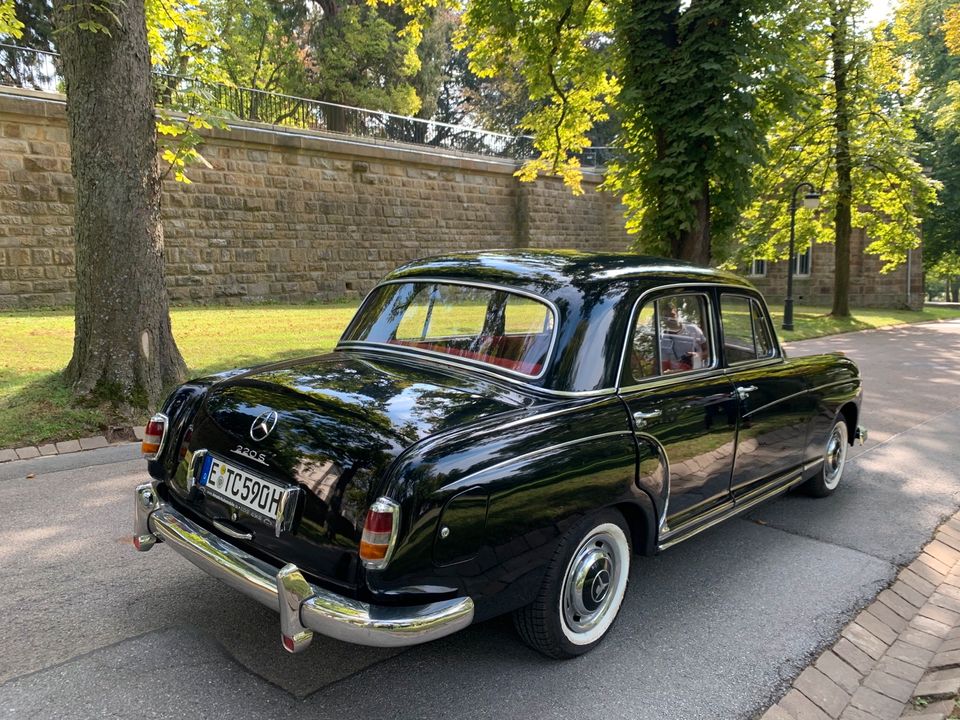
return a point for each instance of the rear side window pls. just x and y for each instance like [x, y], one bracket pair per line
[483, 324]
[672, 335]
[746, 330]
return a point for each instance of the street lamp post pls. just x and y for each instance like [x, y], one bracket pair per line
[810, 200]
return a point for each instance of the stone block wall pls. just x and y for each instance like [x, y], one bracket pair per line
[284, 215]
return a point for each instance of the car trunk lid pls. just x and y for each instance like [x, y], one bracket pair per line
[340, 422]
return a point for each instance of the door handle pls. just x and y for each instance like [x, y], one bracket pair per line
[641, 417]
[223, 527]
[744, 392]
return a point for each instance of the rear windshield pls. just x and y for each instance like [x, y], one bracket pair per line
[488, 325]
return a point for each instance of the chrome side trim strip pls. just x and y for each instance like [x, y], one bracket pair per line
[325, 612]
[811, 464]
[779, 486]
[854, 381]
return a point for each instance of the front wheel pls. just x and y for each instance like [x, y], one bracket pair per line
[834, 458]
[582, 591]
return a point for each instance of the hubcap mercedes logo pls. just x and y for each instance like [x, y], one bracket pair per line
[600, 584]
[263, 425]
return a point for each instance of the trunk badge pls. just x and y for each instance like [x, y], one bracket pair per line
[263, 425]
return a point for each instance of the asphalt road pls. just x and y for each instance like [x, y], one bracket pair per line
[714, 628]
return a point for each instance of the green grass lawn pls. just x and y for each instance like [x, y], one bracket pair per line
[35, 406]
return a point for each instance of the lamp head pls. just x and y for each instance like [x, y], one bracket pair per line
[811, 200]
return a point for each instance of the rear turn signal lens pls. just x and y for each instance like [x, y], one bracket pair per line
[379, 533]
[153, 436]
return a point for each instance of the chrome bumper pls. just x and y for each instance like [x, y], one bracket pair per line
[304, 608]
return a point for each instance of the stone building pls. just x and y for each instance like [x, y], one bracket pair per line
[814, 271]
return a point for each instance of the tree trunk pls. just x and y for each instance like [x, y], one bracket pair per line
[694, 245]
[123, 350]
[954, 291]
[841, 123]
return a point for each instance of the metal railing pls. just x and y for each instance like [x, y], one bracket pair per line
[188, 94]
[40, 70]
[29, 68]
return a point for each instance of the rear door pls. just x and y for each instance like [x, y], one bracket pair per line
[681, 400]
[771, 393]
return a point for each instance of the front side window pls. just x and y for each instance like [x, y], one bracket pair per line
[746, 331]
[671, 336]
[488, 325]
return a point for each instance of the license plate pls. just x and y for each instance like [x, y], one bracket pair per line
[265, 499]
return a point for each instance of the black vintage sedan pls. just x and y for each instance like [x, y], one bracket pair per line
[495, 432]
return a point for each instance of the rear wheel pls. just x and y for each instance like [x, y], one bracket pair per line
[834, 459]
[582, 591]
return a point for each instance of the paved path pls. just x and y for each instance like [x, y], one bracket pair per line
[716, 628]
[900, 657]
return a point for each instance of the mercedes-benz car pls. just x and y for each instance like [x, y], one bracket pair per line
[497, 432]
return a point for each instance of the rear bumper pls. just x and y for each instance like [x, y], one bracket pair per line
[304, 608]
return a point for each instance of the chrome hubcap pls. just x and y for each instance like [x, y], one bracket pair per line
[587, 588]
[835, 456]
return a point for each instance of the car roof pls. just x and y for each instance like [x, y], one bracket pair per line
[550, 273]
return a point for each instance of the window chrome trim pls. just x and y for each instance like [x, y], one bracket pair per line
[758, 362]
[695, 288]
[495, 369]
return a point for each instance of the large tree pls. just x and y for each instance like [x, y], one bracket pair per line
[124, 351]
[928, 32]
[694, 83]
[853, 137]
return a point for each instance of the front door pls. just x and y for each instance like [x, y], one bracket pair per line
[680, 399]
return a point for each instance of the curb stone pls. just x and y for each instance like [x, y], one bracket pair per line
[900, 657]
[64, 447]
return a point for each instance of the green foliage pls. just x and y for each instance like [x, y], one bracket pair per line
[695, 86]
[258, 43]
[183, 42]
[563, 52]
[927, 33]
[357, 57]
[701, 87]
[9, 23]
[890, 193]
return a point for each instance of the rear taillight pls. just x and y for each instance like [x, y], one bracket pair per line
[154, 435]
[379, 533]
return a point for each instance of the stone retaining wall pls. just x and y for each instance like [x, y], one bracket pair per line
[284, 215]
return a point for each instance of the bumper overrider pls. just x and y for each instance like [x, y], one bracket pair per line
[304, 608]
